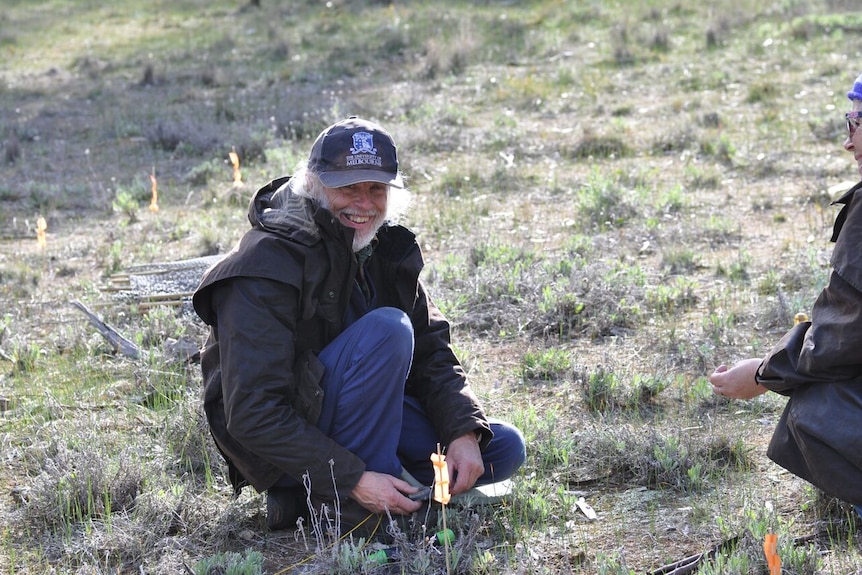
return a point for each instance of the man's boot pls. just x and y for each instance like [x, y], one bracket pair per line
[284, 505]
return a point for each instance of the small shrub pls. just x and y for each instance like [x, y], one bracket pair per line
[231, 563]
[561, 315]
[600, 201]
[592, 146]
[163, 386]
[671, 201]
[680, 259]
[723, 149]
[718, 328]
[81, 479]
[26, 357]
[672, 299]
[447, 56]
[769, 284]
[600, 389]
[159, 324]
[545, 365]
[672, 142]
[745, 554]
[126, 202]
[762, 93]
[201, 174]
[612, 564]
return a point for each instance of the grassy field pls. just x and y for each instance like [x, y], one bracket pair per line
[613, 198]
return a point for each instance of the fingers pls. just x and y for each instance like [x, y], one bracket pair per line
[465, 476]
[717, 379]
[717, 374]
[396, 503]
[402, 485]
[404, 506]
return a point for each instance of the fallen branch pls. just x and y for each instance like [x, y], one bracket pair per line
[691, 563]
[120, 344]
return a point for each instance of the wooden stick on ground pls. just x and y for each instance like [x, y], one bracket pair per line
[120, 344]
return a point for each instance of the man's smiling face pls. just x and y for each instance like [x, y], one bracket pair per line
[361, 207]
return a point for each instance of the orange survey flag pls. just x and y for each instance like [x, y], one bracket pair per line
[441, 478]
[154, 201]
[237, 175]
[770, 549]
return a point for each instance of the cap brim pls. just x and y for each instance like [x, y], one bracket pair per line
[338, 179]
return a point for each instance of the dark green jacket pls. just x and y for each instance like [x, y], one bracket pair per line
[273, 303]
[818, 364]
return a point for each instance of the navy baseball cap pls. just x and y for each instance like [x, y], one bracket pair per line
[352, 151]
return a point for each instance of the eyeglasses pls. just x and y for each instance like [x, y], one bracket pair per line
[854, 120]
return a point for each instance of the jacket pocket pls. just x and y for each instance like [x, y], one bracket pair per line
[308, 398]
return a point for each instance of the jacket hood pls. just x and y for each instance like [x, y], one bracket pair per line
[275, 208]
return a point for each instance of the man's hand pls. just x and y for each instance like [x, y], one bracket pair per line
[464, 462]
[737, 382]
[378, 492]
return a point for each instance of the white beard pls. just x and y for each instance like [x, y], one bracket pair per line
[362, 240]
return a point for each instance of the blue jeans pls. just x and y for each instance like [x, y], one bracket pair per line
[365, 409]
[502, 456]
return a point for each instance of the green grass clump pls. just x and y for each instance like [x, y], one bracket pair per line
[77, 481]
[231, 563]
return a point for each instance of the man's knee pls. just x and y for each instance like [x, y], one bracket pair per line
[507, 451]
[392, 326]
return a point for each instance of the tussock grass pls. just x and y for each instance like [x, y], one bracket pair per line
[82, 480]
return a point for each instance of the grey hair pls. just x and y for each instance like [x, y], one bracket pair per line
[306, 183]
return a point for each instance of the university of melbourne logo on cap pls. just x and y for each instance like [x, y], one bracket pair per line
[364, 152]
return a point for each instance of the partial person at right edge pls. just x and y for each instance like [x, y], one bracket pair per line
[818, 363]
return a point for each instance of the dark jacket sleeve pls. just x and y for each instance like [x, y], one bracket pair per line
[826, 349]
[829, 348]
[438, 379]
[256, 322]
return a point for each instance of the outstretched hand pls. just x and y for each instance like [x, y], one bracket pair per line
[379, 492]
[738, 381]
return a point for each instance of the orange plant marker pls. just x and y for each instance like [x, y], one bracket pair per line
[41, 226]
[441, 478]
[441, 491]
[154, 202]
[770, 549]
[237, 176]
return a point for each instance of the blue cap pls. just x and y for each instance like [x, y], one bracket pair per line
[856, 92]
